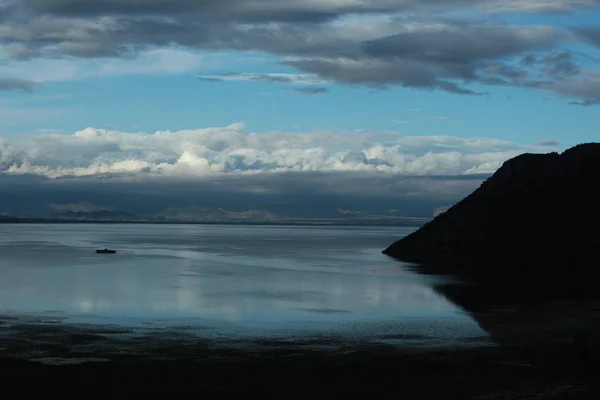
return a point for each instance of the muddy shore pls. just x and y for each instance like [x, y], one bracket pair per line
[537, 354]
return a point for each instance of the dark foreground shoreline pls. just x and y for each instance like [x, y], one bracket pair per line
[547, 364]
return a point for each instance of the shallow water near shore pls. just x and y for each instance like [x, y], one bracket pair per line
[225, 282]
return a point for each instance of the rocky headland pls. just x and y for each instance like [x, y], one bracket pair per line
[533, 227]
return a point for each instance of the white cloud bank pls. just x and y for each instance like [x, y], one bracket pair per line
[233, 150]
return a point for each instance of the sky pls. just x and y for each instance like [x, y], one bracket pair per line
[181, 89]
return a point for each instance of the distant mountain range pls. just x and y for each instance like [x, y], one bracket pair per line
[219, 215]
[288, 199]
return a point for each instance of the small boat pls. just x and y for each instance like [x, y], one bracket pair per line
[106, 251]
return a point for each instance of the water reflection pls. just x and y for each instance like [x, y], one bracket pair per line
[250, 276]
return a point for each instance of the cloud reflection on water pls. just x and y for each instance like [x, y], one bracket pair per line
[323, 287]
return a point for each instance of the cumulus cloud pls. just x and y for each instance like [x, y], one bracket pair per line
[376, 43]
[232, 150]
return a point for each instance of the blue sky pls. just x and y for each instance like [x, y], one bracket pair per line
[152, 102]
[429, 64]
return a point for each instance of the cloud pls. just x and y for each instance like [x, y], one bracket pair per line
[247, 11]
[565, 78]
[586, 103]
[589, 33]
[21, 85]
[374, 43]
[537, 6]
[155, 62]
[311, 90]
[400, 121]
[547, 143]
[281, 78]
[232, 150]
[442, 117]
[447, 56]
[583, 88]
[275, 10]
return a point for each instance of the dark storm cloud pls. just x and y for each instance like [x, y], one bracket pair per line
[10, 84]
[429, 50]
[215, 10]
[461, 44]
[291, 10]
[380, 73]
[589, 33]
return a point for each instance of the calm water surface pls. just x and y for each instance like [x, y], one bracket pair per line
[235, 280]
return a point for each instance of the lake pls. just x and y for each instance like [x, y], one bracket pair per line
[226, 280]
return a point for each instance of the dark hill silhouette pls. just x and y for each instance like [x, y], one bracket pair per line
[537, 219]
